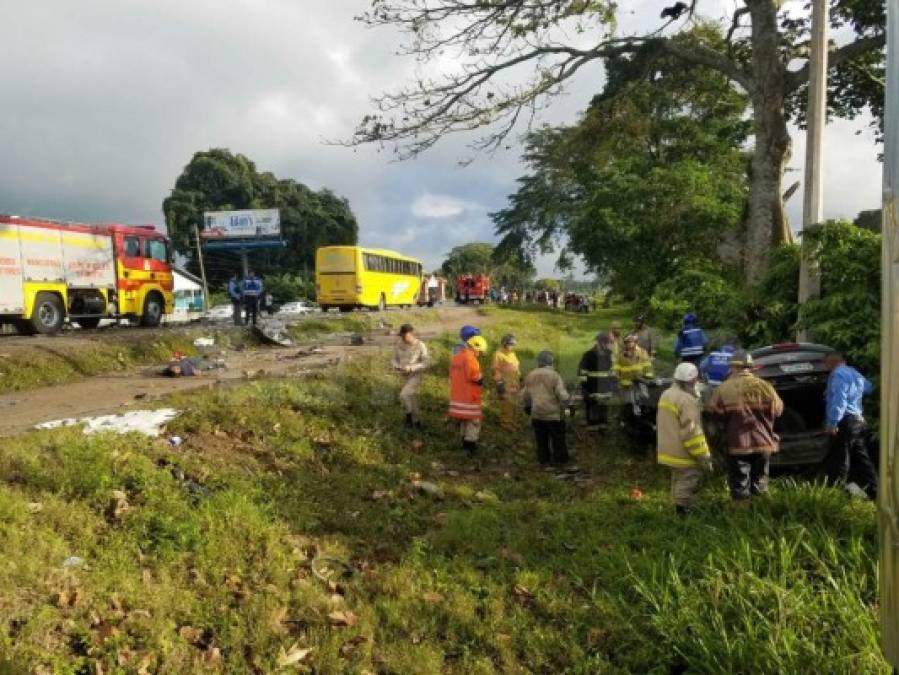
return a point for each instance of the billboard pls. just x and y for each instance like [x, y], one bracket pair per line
[249, 224]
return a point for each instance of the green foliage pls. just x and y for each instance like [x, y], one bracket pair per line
[702, 290]
[288, 287]
[219, 180]
[651, 178]
[771, 311]
[847, 316]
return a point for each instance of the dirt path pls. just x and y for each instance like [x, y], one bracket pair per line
[135, 389]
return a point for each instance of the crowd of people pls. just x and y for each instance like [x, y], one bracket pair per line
[574, 302]
[744, 405]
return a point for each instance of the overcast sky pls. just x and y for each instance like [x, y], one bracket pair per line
[103, 102]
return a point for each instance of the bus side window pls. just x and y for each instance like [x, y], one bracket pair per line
[131, 247]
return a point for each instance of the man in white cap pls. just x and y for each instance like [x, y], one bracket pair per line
[681, 442]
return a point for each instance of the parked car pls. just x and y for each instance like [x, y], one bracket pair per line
[798, 374]
[219, 312]
[297, 308]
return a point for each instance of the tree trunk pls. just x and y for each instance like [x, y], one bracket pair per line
[766, 224]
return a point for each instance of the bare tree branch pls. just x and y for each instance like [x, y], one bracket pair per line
[837, 57]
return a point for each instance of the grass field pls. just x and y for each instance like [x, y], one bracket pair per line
[202, 557]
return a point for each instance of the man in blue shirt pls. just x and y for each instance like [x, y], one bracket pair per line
[691, 341]
[234, 293]
[252, 289]
[716, 366]
[849, 462]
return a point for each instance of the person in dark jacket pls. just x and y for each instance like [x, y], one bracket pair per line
[597, 377]
[236, 297]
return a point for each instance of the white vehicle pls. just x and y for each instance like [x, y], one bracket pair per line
[220, 312]
[298, 308]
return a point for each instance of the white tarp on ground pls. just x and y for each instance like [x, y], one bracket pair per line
[889, 369]
[146, 422]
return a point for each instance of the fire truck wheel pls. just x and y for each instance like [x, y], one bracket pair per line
[153, 309]
[48, 314]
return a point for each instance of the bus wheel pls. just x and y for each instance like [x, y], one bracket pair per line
[152, 313]
[88, 322]
[325, 308]
[345, 309]
[48, 314]
[382, 303]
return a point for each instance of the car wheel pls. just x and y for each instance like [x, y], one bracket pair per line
[48, 314]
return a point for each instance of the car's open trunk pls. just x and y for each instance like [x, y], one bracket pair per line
[801, 427]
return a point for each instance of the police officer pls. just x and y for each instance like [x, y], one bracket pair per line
[252, 289]
[691, 341]
[234, 294]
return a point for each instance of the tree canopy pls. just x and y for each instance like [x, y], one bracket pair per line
[219, 180]
[483, 258]
[650, 179]
[511, 57]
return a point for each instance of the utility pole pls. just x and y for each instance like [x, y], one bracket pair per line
[202, 269]
[888, 497]
[813, 202]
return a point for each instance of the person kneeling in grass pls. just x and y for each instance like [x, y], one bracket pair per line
[681, 443]
[544, 397]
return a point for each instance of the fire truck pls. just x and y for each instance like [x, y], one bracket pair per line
[52, 271]
[472, 288]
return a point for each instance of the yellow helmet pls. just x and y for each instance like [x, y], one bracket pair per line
[478, 343]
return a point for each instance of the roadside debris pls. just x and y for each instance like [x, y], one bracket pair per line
[204, 342]
[274, 333]
[73, 561]
[146, 422]
[428, 488]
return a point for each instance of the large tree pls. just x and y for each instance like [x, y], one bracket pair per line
[651, 179]
[505, 58]
[219, 180]
[482, 258]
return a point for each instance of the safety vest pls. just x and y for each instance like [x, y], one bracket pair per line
[466, 389]
[680, 441]
[691, 342]
[631, 366]
[507, 369]
[596, 373]
[717, 366]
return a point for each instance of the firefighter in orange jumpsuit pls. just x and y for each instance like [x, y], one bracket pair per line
[466, 391]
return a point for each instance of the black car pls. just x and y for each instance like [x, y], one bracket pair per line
[798, 374]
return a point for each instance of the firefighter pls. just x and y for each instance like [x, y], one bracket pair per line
[691, 341]
[646, 338]
[545, 399]
[507, 378]
[849, 463]
[748, 406]
[632, 364]
[680, 442]
[716, 366]
[465, 334]
[410, 358]
[252, 289]
[616, 338]
[466, 391]
[597, 377]
[234, 294]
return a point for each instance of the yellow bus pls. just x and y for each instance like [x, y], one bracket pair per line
[350, 277]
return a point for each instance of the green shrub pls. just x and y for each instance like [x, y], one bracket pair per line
[702, 289]
[771, 310]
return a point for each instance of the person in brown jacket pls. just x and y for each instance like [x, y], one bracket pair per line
[748, 406]
[545, 399]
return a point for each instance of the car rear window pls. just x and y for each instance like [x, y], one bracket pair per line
[776, 358]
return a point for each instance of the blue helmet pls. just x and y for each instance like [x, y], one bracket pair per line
[468, 332]
[689, 319]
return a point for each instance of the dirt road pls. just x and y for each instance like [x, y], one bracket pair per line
[135, 389]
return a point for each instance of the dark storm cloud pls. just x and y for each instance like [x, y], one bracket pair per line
[104, 101]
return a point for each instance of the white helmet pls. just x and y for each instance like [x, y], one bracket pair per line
[686, 372]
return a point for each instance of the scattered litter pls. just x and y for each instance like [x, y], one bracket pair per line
[146, 422]
[175, 441]
[73, 561]
[293, 655]
[327, 569]
[428, 488]
[636, 493]
[204, 342]
[274, 333]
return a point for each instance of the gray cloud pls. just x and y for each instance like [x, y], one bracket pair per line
[104, 101]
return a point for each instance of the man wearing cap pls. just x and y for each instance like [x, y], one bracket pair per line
[466, 389]
[410, 358]
[748, 406]
[848, 462]
[544, 396]
[597, 377]
[680, 441]
[507, 378]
